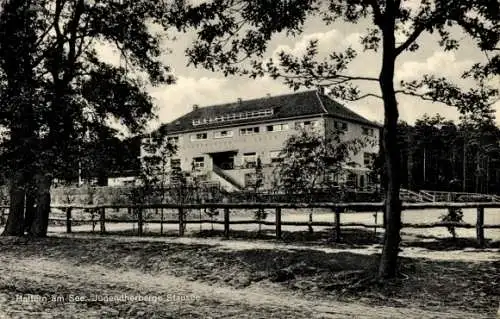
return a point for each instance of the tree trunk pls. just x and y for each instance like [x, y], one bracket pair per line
[102, 179]
[15, 221]
[389, 258]
[41, 221]
[388, 262]
[411, 184]
[464, 167]
[30, 211]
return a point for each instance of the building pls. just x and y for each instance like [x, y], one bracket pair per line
[224, 141]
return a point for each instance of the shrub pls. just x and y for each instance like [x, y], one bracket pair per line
[454, 215]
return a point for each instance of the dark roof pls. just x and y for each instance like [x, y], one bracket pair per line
[300, 104]
[338, 110]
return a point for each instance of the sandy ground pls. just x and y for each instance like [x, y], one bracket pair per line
[467, 254]
[169, 277]
[50, 288]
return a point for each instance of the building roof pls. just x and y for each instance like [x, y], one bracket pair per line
[300, 104]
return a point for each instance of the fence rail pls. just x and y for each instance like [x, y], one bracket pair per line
[337, 210]
[454, 196]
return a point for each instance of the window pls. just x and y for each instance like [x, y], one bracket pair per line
[275, 157]
[223, 134]
[198, 162]
[368, 131]
[306, 124]
[250, 179]
[249, 160]
[234, 116]
[277, 128]
[368, 158]
[249, 130]
[199, 136]
[341, 126]
[175, 164]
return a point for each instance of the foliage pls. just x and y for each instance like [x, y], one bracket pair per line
[260, 214]
[65, 92]
[156, 175]
[233, 37]
[455, 215]
[437, 154]
[311, 162]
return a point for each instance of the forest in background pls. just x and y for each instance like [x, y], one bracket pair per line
[438, 154]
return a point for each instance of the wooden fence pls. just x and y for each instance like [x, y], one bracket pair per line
[337, 209]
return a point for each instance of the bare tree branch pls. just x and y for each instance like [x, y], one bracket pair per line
[414, 36]
[369, 95]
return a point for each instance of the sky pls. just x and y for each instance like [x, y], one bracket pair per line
[202, 87]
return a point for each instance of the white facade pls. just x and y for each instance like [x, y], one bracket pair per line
[234, 149]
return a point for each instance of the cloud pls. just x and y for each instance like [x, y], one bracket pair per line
[329, 41]
[442, 64]
[439, 63]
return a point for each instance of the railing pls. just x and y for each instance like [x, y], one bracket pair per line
[455, 196]
[337, 210]
[406, 194]
[427, 196]
[217, 170]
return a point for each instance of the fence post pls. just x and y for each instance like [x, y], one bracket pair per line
[161, 221]
[337, 224]
[181, 221]
[3, 221]
[68, 220]
[140, 221]
[103, 220]
[479, 226]
[226, 222]
[278, 222]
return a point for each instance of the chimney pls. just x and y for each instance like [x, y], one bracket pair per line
[240, 100]
[321, 90]
[195, 107]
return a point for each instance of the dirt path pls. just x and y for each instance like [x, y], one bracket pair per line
[39, 277]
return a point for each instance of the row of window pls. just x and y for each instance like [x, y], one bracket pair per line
[339, 125]
[343, 126]
[250, 160]
[255, 130]
[234, 117]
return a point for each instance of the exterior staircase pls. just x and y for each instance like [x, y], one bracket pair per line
[226, 181]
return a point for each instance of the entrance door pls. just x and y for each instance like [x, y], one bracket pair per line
[224, 160]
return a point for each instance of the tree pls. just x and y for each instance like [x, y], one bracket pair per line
[59, 79]
[19, 94]
[103, 156]
[310, 162]
[440, 155]
[480, 138]
[233, 37]
[257, 183]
